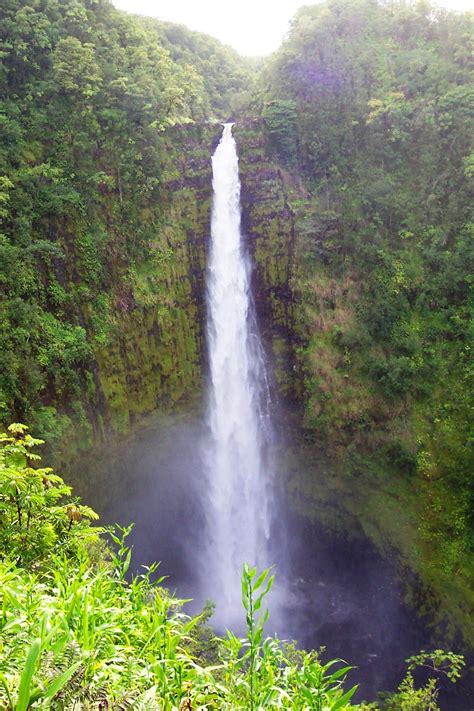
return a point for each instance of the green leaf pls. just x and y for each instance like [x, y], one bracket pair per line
[344, 698]
[60, 681]
[260, 579]
[4, 683]
[27, 675]
[340, 672]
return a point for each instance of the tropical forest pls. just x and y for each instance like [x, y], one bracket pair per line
[236, 361]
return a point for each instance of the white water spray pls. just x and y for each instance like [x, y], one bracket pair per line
[237, 448]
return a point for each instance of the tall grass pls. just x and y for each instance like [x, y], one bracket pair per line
[72, 634]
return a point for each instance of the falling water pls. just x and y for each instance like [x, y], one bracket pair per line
[237, 446]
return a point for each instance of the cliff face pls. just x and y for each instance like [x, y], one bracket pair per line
[268, 221]
[155, 359]
[155, 356]
[357, 457]
[143, 316]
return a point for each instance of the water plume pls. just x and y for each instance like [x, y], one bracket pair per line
[237, 445]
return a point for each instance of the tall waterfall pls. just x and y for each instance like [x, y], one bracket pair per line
[237, 445]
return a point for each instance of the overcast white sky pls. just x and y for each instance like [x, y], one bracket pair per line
[252, 27]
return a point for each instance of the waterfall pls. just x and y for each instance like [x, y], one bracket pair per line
[236, 450]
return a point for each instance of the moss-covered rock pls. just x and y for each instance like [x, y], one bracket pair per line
[137, 286]
[268, 220]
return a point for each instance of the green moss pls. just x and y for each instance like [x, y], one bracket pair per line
[267, 197]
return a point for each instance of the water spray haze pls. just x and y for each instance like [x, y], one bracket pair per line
[236, 448]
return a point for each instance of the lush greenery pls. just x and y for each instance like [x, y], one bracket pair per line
[75, 628]
[88, 235]
[106, 129]
[371, 105]
[227, 80]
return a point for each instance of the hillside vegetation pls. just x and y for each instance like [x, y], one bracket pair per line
[371, 106]
[357, 141]
[88, 232]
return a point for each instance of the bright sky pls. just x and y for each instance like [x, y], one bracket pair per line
[252, 27]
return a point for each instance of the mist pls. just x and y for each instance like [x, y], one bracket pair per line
[330, 589]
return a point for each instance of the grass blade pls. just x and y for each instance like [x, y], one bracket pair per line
[60, 681]
[27, 675]
[344, 699]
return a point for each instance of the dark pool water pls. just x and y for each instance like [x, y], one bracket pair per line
[330, 591]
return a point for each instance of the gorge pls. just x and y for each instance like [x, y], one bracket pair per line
[354, 164]
[333, 587]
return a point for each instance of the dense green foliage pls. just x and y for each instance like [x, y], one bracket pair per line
[226, 80]
[383, 99]
[35, 519]
[75, 629]
[86, 95]
[368, 108]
